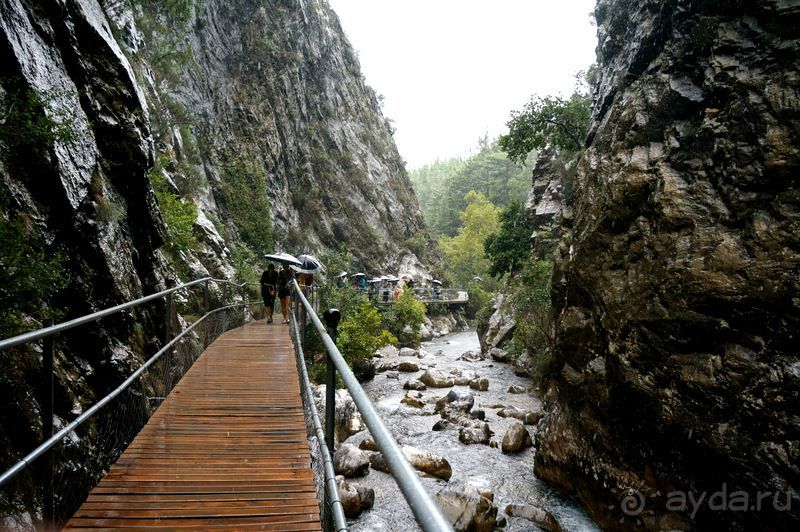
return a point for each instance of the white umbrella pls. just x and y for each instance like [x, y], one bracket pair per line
[342, 274]
[308, 264]
[283, 258]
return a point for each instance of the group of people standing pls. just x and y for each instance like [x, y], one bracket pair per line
[276, 284]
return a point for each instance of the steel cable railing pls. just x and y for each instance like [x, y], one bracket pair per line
[427, 513]
[43, 488]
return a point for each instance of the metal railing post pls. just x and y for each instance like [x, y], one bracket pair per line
[48, 410]
[331, 317]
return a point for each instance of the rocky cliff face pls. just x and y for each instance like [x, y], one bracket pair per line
[151, 142]
[677, 294]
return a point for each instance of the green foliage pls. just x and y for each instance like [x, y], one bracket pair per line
[166, 25]
[31, 118]
[106, 209]
[509, 248]
[30, 273]
[480, 301]
[532, 310]
[179, 215]
[464, 252]
[244, 195]
[442, 186]
[550, 120]
[409, 312]
[361, 333]
[245, 263]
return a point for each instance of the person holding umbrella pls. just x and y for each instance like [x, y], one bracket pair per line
[269, 289]
[284, 289]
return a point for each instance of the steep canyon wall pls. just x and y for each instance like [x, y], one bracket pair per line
[676, 289]
[144, 143]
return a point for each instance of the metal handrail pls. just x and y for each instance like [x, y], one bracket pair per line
[429, 516]
[77, 322]
[42, 448]
[339, 522]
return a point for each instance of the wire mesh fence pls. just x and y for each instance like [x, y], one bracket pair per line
[45, 494]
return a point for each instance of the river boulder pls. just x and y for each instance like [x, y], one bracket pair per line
[413, 399]
[387, 351]
[348, 420]
[516, 389]
[355, 499]
[425, 461]
[368, 444]
[407, 366]
[456, 401]
[480, 435]
[480, 384]
[516, 439]
[437, 379]
[466, 508]
[541, 518]
[414, 384]
[528, 417]
[350, 461]
[470, 356]
[408, 352]
[498, 354]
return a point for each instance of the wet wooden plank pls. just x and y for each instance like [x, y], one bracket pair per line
[227, 449]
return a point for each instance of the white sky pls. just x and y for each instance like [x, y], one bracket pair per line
[453, 70]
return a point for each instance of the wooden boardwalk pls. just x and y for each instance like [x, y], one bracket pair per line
[226, 449]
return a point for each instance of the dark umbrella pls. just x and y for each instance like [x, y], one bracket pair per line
[283, 258]
[308, 264]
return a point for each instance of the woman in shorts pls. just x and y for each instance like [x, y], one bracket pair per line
[284, 289]
[269, 289]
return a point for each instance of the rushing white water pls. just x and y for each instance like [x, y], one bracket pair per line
[509, 477]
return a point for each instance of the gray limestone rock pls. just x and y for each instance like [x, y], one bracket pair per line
[516, 439]
[437, 379]
[466, 508]
[350, 461]
[355, 499]
[541, 518]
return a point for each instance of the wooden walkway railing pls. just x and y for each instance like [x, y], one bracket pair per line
[227, 448]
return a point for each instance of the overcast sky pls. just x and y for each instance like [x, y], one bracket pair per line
[452, 70]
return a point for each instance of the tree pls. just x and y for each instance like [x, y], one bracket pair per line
[442, 186]
[465, 252]
[543, 121]
[409, 312]
[509, 248]
[360, 334]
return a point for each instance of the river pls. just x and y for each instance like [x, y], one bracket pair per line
[509, 477]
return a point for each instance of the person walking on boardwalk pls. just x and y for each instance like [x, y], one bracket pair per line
[284, 289]
[269, 289]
